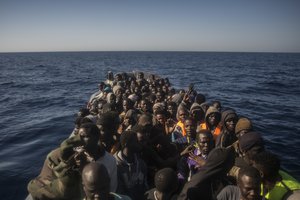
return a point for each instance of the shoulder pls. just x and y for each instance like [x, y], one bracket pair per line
[119, 196]
[230, 192]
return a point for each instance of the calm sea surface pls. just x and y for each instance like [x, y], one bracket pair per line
[41, 92]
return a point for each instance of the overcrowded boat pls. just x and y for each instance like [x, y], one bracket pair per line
[140, 138]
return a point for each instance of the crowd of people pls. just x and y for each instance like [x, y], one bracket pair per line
[139, 138]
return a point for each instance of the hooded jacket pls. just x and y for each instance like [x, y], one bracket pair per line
[226, 138]
[205, 125]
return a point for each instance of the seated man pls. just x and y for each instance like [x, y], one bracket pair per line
[277, 184]
[166, 184]
[60, 175]
[96, 181]
[248, 186]
[132, 171]
[194, 156]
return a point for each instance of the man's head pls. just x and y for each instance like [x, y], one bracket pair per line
[166, 180]
[243, 126]
[249, 183]
[182, 114]
[205, 141]
[229, 120]
[95, 181]
[129, 142]
[250, 144]
[268, 164]
[89, 135]
[190, 127]
[212, 116]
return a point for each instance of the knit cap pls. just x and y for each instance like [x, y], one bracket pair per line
[249, 140]
[243, 124]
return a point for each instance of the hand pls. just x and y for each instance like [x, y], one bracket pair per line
[198, 159]
[188, 150]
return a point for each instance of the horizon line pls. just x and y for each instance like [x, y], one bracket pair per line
[179, 51]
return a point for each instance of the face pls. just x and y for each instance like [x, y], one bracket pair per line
[126, 106]
[182, 115]
[269, 183]
[88, 139]
[159, 96]
[112, 98]
[213, 119]
[94, 191]
[205, 143]
[250, 188]
[161, 119]
[171, 110]
[144, 106]
[230, 124]
[127, 121]
[190, 128]
[133, 145]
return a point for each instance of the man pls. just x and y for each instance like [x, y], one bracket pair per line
[132, 171]
[166, 184]
[96, 181]
[248, 186]
[212, 119]
[194, 155]
[208, 182]
[59, 177]
[227, 136]
[276, 184]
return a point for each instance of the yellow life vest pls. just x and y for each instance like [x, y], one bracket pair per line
[288, 183]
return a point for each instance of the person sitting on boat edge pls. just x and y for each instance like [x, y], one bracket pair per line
[276, 183]
[96, 181]
[249, 145]
[248, 186]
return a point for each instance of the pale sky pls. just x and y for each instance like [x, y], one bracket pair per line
[150, 25]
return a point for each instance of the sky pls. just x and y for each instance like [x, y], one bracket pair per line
[150, 25]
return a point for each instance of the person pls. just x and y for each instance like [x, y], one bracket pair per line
[212, 119]
[181, 140]
[208, 182]
[110, 78]
[276, 183]
[127, 104]
[248, 186]
[59, 177]
[197, 114]
[96, 181]
[99, 93]
[132, 171]
[108, 124]
[227, 136]
[217, 105]
[179, 130]
[247, 147]
[243, 126]
[194, 156]
[166, 185]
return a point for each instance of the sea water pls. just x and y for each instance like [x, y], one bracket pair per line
[42, 92]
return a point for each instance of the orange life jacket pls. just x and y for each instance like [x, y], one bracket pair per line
[216, 132]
